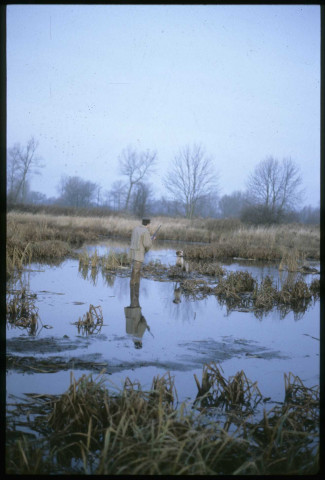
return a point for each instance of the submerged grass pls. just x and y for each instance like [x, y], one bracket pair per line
[89, 430]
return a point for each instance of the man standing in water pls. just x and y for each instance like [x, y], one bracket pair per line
[141, 242]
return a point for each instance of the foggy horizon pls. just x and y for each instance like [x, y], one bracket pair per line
[87, 81]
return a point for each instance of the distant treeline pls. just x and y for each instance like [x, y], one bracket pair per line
[307, 215]
[91, 211]
[273, 189]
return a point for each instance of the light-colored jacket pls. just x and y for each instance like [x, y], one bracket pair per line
[140, 243]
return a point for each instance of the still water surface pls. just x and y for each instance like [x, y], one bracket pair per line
[181, 337]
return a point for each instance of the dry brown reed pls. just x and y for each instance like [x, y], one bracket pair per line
[265, 295]
[92, 321]
[228, 238]
[238, 392]
[259, 243]
[212, 269]
[289, 434]
[88, 430]
[295, 294]
[234, 284]
[22, 312]
[239, 290]
[315, 288]
[111, 261]
[196, 289]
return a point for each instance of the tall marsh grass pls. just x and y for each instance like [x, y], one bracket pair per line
[88, 430]
[221, 238]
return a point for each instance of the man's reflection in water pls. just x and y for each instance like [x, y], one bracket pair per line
[135, 323]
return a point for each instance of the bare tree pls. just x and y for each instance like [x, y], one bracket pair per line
[115, 197]
[22, 162]
[191, 178]
[77, 192]
[275, 186]
[231, 205]
[136, 167]
[140, 199]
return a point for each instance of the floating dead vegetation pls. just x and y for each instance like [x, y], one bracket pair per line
[22, 313]
[91, 322]
[89, 430]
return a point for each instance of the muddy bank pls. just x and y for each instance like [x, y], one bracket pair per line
[196, 354]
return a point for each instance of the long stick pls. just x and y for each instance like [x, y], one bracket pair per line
[155, 234]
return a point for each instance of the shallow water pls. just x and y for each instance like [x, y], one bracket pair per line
[182, 337]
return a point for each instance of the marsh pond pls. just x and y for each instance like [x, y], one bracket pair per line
[179, 332]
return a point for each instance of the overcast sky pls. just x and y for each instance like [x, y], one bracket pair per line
[89, 80]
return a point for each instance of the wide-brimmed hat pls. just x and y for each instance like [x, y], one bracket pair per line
[146, 221]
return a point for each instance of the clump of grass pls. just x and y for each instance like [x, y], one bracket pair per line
[195, 289]
[235, 393]
[114, 260]
[294, 294]
[22, 312]
[176, 272]
[291, 260]
[315, 288]
[265, 295]
[156, 268]
[16, 256]
[91, 431]
[111, 262]
[94, 260]
[289, 433]
[27, 457]
[92, 321]
[50, 250]
[84, 259]
[233, 284]
[240, 291]
[211, 269]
